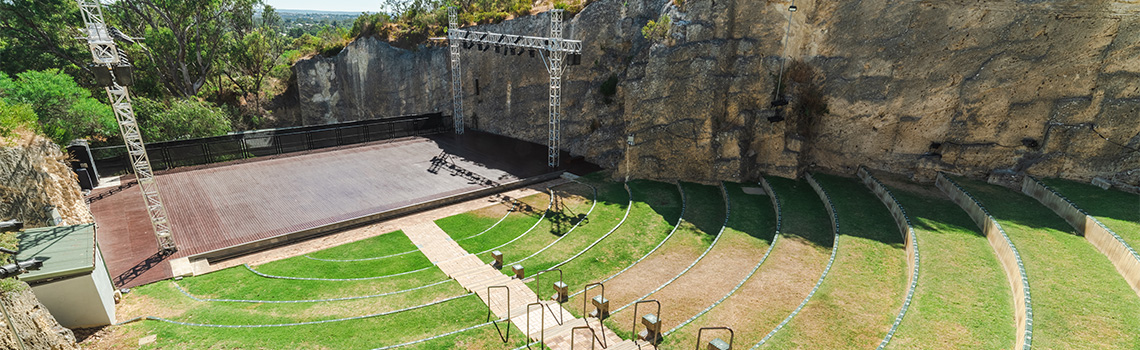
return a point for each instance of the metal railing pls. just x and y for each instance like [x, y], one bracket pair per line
[113, 160]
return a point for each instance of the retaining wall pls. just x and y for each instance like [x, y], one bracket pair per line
[1006, 253]
[1122, 255]
[909, 239]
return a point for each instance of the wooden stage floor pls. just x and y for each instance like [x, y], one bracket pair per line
[228, 204]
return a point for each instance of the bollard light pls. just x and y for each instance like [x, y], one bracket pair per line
[601, 307]
[561, 292]
[719, 344]
[519, 271]
[498, 256]
[652, 332]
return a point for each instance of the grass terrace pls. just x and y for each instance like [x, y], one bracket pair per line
[574, 201]
[962, 300]
[864, 290]
[464, 227]
[611, 204]
[656, 207]
[750, 230]
[1118, 210]
[163, 299]
[1079, 300]
[704, 215]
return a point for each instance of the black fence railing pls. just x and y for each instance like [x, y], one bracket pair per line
[172, 154]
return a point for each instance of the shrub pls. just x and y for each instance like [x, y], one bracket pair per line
[180, 119]
[13, 117]
[657, 30]
[65, 111]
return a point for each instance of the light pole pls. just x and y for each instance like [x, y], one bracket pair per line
[113, 71]
[780, 100]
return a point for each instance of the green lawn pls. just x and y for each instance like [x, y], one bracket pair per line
[354, 334]
[864, 290]
[386, 244]
[611, 204]
[655, 208]
[576, 200]
[383, 245]
[464, 225]
[1079, 300]
[752, 222]
[1118, 210]
[963, 299]
[805, 216]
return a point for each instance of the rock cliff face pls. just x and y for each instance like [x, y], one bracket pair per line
[1050, 88]
[34, 178]
[37, 329]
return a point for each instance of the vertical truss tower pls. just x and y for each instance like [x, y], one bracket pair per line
[107, 56]
[555, 52]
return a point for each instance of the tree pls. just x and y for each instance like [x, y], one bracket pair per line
[37, 35]
[185, 38]
[253, 53]
[179, 118]
[64, 110]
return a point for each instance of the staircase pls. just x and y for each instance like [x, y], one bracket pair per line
[548, 322]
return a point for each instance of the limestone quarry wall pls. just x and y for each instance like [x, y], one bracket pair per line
[34, 177]
[37, 329]
[1049, 88]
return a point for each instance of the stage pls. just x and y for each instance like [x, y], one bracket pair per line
[227, 209]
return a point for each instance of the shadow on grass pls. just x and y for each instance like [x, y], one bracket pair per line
[1110, 203]
[751, 214]
[861, 213]
[705, 207]
[1008, 205]
[935, 214]
[803, 212]
[662, 197]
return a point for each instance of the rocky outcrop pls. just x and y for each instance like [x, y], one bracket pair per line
[34, 178]
[37, 329]
[1048, 87]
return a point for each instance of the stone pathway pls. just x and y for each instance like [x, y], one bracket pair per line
[476, 275]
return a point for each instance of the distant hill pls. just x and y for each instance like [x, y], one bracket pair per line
[345, 13]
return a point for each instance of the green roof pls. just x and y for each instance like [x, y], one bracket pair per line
[67, 251]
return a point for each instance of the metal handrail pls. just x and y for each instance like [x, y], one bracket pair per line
[638, 303]
[542, 325]
[731, 335]
[560, 318]
[506, 337]
[593, 334]
[585, 315]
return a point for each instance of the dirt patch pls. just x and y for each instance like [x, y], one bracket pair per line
[662, 265]
[725, 265]
[768, 297]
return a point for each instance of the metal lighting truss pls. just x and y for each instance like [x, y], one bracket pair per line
[106, 56]
[553, 49]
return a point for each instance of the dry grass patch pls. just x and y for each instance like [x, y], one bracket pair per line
[769, 296]
[863, 292]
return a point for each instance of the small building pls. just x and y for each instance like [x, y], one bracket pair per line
[74, 283]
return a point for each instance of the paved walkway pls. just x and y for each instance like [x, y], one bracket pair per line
[476, 275]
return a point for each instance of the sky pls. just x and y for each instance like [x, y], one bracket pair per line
[328, 5]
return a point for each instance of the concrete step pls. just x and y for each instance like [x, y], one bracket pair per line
[481, 286]
[629, 345]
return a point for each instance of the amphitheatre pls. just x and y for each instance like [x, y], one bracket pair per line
[769, 174]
